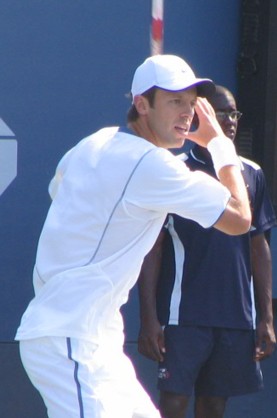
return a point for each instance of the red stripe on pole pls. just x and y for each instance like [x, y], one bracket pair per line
[157, 29]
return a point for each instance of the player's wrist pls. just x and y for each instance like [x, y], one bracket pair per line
[223, 153]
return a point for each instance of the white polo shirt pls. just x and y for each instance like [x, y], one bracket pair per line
[111, 194]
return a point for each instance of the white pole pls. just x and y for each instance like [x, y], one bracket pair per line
[157, 28]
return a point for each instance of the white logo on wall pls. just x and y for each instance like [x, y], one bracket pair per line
[8, 156]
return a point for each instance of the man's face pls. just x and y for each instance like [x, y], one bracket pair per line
[224, 104]
[170, 117]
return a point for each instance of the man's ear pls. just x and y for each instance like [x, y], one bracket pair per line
[141, 104]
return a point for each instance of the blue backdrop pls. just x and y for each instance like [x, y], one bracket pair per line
[66, 66]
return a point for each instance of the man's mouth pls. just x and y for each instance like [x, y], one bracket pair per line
[182, 130]
[230, 133]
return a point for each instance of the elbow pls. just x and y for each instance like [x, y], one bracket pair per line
[241, 226]
[244, 226]
[246, 221]
[234, 224]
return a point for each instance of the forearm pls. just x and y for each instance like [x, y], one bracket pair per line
[228, 169]
[147, 282]
[262, 276]
[151, 338]
[236, 218]
[147, 296]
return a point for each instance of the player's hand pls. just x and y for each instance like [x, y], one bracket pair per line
[265, 341]
[151, 341]
[208, 126]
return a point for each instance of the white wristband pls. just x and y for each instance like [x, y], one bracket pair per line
[223, 153]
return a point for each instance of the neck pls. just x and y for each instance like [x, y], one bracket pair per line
[142, 129]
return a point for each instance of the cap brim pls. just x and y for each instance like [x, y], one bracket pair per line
[205, 88]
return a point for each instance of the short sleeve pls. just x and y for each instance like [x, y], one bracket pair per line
[163, 183]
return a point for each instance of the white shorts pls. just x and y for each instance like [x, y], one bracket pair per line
[77, 379]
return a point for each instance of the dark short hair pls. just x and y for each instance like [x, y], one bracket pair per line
[133, 114]
[218, 92]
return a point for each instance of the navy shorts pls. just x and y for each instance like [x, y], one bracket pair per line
[210, 361]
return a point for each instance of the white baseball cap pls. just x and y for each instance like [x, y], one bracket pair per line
[168, 72]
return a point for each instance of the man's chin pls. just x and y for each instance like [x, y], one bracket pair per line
[230, 134]
[179, 143]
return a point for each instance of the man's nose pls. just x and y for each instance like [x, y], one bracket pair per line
[187, 112]
[229, 121]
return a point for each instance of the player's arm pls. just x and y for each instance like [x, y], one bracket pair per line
[262, 277]
[151, 338]
[236, 218]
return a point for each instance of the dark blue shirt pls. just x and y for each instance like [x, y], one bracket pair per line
[206, 275]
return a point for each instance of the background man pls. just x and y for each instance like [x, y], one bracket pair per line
[203, 283]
